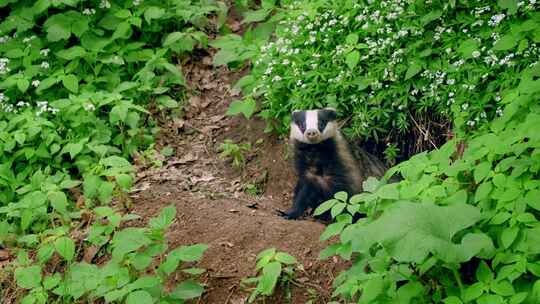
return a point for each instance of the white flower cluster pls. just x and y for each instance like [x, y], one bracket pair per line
[43, 107]
[4, 39]
[137, 2]
[44, 52]
[89, 107]
[4, 69]
[496, 19]
[27, 40]
[89, 11]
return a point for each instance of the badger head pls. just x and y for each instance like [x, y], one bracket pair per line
[313, 126]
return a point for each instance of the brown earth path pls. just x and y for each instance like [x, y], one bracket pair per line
[212, 204]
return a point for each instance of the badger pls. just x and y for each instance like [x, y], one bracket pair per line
[324, 161]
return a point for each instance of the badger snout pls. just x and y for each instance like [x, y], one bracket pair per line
[312, 134]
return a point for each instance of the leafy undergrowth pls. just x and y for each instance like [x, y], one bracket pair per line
[392, 68]
[76, 80]
[455, 209]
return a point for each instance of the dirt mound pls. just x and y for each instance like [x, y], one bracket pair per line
[211, 200]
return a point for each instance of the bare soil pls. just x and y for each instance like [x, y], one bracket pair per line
[211, 200]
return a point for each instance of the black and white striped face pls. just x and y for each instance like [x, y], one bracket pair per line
[313, 126]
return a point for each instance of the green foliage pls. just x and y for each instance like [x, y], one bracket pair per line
[455, 209]
[130, 275]
[273, 267]
[75, 81]
[228, 149]
[383, 63]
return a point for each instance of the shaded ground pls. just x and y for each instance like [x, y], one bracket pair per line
[211, 199]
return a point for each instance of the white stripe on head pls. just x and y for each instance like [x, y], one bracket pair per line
[312, 120]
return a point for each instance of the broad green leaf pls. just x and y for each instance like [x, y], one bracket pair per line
[481, 171]
[341, 196]
[505, 43]
[285, 258]
[352, 59]
[164, 219]
[325, 207]
[58, 201]
[246, 107]
[23, 84]
[71, 83]
[270, 276]
[187, 290]
[225, 56]
[503, 288]
[510, 5]
[153, 12]
[337, 209]
[128, 240]
[509, 235]
[483, 273]
[473, 292]
[411, 231]
[533, 198]
[331, 230]
[373, 288]
[490, 299]
[256, 16]
[28, 277]
[139, 297]
[352, 38]
[414, 68]
[65, 247]
[71, 53]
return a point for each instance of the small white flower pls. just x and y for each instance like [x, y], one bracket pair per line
[35, 83]
[104, 4]
[276, 78]
[476, 54]
[3, 66]
[451, 81]
[496, 19]
[4, 39]
[471, 123]
[89, 11]
[44, 52]
[45, 65]
[136, 2]
[464, 106]
[499, 112]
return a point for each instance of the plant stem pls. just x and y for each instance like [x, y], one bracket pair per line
[458, 280]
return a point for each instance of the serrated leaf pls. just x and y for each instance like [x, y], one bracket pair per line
[58, 201]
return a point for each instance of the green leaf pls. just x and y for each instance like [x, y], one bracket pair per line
[372, 289]
[22, 84]
[481, 171]
[505, 43]
[128, 240]
[71, 83]
[28, 277]
[65, 247]
[325, 207]
[332, 229]
[225, 56]
[58, 201]
[118, 113]
[270, 276]
[187, 290]
[468, 47]
[490, 299]
[166, 101]
[164, 219]
[153, 12]
[352, 59]
[123, 31]
[509, 235]
[503, 288]
[139, 297]
[533, 198]
[246, 107]
[71, 53]
[483, 191]
[341, 196]
[285, 258]
[190, 253]
[389, 191]
[510, 5]
[352, 38]
[452, 300]
[337, 209]
[405, 225]
[473, 292]
[483, 273]
[414, 68]
[256, 16]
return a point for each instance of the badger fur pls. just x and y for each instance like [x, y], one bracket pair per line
[324, 161]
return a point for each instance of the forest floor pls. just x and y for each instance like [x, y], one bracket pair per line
[211, 200]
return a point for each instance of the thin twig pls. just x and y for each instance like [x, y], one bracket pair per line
[426, 135]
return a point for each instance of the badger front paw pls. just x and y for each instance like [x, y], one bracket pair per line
[289, 214]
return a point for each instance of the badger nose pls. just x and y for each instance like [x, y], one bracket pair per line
[312, 133]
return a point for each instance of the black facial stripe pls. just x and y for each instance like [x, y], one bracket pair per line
[324, 117]
[299, 118]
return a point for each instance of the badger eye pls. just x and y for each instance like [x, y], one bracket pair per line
[302, 125]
